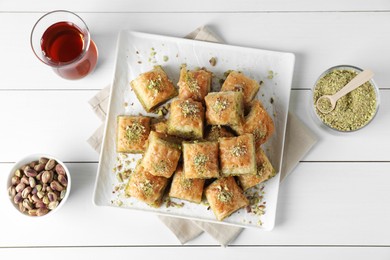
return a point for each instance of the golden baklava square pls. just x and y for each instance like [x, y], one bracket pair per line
[258, 122]
[265, 171]
[194, 84]
[200, 160]
[214, 132]
[132, 134]
[161, 155]
[224, 108]
[225, 197]
[186, 189]
[237, 155]
[146, 187]
[186, 119]
[237, 81]
[153, 88]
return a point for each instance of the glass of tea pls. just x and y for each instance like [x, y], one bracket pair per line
[61, 39]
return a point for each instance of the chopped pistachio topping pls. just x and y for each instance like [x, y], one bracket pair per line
[155, 85]
[189, 109]
[134, 132]
[239, 150]
[220, 105]
[161, 166]
[192, 83]
[186, 183]
[200, 161]
[258, 134]
[224, 195]
[146, 187]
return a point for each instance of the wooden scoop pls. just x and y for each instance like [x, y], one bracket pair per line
[327, 103]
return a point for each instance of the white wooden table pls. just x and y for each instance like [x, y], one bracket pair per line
[336, 204]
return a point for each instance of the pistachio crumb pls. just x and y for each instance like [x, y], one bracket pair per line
[134, 132]
[200, 161]
[213, 61]
[239, 150]
[224, 195]
[220, 105]
[189, 109]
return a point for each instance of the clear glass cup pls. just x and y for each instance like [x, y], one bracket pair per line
[61, 40]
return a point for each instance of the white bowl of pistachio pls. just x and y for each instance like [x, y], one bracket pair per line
[38, 185]
[354, 110]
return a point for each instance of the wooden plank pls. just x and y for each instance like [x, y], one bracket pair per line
[51, 122]
[60, 122]
[330, 204]
[319, 40]
[191, 253]
[200, 6]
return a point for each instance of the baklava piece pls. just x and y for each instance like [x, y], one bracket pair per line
[224, 108]
[194, 84]
[159, 125]
[132, 134]
[186, 189]
[153, 88]
[237, 155]
[214, 132]
[258, 122]
[201, 160]
[146, 187]
[161, 155]
[237, 81]
[225, 197]
[186, 119]
[265, 171]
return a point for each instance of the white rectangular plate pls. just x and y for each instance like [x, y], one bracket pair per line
[138, 53]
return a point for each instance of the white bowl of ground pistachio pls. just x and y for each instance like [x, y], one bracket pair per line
[353, 111]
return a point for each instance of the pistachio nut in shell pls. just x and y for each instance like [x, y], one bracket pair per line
[18, 198]
[27, 204]
[42, 211]
[50, 165]
[26, 192]
[55, 185]
[15, 180]
[30, 172]
[52, 205]
[60, 170]
[18, 173]
[39, 167]
[47, 176]
[43, 160]
[63, 180]
[20, 187]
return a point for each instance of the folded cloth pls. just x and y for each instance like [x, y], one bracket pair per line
[298, 141]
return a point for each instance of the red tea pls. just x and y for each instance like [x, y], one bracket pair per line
[63, 42]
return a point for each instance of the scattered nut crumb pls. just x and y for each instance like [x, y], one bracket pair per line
[213, 61]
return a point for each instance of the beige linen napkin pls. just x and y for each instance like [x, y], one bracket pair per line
[298, 141]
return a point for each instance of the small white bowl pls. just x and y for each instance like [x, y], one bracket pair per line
[35, 157]
[317, 118]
